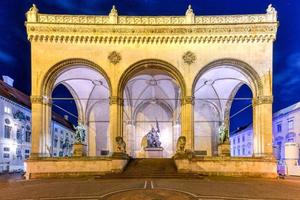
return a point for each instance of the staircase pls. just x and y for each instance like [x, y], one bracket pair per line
[150, 168]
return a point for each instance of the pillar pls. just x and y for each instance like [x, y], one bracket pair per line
[187, 121]
[115, 121]
[46, 145]
[36, 127]
[262, 126]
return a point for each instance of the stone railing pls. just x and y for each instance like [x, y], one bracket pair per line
[149, 20]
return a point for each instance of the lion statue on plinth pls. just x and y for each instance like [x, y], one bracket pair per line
[120, 144]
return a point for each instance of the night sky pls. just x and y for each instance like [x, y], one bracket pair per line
[15, 48]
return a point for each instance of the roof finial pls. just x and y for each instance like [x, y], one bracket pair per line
[33, 8]
[113, 11]
[271, 9]
[189, 11]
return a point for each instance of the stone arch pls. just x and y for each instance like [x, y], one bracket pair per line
[51, 79]
[151, 64]
[239, 65]
[62, 66]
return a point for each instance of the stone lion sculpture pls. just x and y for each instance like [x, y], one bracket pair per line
[121, 145]
[180, 147]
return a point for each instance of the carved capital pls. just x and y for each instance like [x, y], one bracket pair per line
[188, 100]
[115, 100]
[35, 99]
[262, 100]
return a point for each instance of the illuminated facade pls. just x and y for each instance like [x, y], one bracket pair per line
[286, 129]
[15, 129]
[126, 73]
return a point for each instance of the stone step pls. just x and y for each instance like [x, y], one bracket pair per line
[150, 168]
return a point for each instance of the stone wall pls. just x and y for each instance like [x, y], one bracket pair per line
[70, 167]
[229, 166]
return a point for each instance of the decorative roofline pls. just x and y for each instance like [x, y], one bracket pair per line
[151, 29]
[33, 15]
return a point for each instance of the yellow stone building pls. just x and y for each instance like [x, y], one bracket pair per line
[126, 73]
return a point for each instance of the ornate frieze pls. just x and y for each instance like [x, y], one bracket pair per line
[262, 100]
[189, 57]
[114, 57]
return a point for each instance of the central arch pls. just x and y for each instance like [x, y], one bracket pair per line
[153, 64]
[151, 91]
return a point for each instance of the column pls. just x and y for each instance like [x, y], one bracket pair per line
[262, 126]
[187, 121]
[46, 144]
[37, 124]
[115, 122]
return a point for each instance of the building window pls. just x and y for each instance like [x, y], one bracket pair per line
[243, 138]
[27, 136]
[243, 151]
[7, 110]
[6, 155]
[19, 136]
[55, 141]
[7, 131]
[239, 152]
[27, 118]
[233, 140]
[61, 143]
[279, 128]
[19, 154]
[26, 152]
[5, 149]
[291, 124]
[55, 129]
[239, 141]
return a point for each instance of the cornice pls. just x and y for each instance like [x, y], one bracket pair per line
[152, 34]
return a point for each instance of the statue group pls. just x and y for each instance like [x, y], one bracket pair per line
[153, 137]
[80, 132]
[223, 134]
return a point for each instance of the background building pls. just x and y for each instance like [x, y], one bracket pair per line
[15, 129]
[241, 142]
[285, 130]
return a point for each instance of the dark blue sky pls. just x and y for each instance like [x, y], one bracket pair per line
[15, 49]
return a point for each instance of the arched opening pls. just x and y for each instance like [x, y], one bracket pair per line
[215, 89]
[241, 126]
[64, 117]
[85, 85]
[151, 96]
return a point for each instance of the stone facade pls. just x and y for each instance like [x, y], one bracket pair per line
[241, 142]
[188, 51]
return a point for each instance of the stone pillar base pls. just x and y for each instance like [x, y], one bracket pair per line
[78, 150]
[224, 149]
[154, 152]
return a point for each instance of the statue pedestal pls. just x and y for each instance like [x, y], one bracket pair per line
[78, 150]
[153, 152]
[224, 149]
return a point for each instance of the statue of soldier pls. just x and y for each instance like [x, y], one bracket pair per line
[223, 133]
